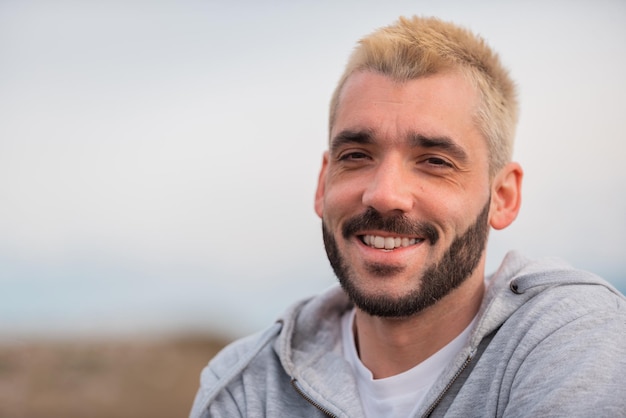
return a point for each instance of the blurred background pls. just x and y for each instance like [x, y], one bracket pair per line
[158, 162]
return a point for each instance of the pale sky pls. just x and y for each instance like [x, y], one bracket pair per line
[158, 159]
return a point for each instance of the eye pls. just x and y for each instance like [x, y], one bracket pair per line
[353, 156]
[438, 162]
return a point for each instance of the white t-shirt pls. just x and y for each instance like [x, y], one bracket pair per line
[397, 396]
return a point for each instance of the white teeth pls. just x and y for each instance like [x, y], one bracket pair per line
[388, 243]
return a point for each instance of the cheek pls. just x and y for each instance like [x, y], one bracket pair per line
[339, 205]
[451, 213]
[341, 193]
[464, 213]
[335, 202]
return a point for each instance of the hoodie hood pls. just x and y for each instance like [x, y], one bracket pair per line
[518, 280]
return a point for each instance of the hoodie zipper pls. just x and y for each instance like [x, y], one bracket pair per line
[300, 391]
[434, 405]
[429, 411]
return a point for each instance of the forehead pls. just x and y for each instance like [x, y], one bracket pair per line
[441, 105]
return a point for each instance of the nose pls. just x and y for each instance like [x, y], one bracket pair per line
[390, 188]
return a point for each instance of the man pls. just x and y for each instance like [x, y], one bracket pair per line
[417, 171]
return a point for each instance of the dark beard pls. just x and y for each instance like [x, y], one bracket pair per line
[455, 266]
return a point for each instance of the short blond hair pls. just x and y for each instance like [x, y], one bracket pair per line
[418, 47]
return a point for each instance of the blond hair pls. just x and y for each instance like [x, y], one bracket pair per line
[418, 47]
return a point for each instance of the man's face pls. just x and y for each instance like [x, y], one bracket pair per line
[404, 191]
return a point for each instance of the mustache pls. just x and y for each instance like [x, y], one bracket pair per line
[396, 224]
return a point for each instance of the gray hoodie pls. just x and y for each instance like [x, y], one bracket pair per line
[549, 341]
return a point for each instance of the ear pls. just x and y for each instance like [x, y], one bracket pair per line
[506, 196]
[321, 187]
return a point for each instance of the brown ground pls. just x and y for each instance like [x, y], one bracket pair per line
[102, 379]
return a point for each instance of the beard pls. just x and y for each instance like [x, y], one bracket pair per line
[456, 264]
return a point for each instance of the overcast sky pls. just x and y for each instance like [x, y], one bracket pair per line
[158, 159]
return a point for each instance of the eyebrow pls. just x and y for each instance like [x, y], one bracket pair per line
[348, 137]
[443, 143]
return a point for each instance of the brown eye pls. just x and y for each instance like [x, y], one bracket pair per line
[438, 162]
[353, 156]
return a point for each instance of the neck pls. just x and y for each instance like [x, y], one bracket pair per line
[389, 346]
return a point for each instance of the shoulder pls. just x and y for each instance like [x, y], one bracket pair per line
[249, 370]
[548, 297]
[225, 370]
[238, 354]
[553, 290]
[540, 296]
[570, 355]
[564, 342]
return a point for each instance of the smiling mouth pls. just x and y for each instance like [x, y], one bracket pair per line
[388, 243]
